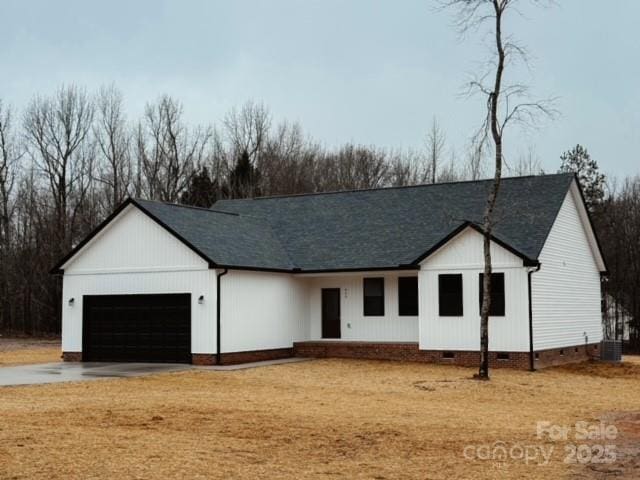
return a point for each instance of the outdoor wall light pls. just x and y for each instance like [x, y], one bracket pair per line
[201, 299]
[72, 301]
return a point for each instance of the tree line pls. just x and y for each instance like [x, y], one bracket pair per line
[69, 159]
[617, 220]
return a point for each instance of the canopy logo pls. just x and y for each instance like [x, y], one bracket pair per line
[584, 443]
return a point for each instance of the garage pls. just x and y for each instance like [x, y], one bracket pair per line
[137, 328]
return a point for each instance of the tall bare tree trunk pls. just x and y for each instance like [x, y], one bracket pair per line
[501, 111]
[487, 225]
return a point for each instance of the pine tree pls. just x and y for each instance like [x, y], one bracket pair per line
[202, 190]
[579, 161]
[244, 179]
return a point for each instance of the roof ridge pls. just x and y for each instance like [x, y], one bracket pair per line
[169, 204]
[211, 210]
[397, 187]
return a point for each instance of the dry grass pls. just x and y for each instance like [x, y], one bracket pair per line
[20, 351]
[321, 419]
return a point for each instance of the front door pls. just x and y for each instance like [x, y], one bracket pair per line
[330, 313]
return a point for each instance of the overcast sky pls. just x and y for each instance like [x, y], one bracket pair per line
[372, 72]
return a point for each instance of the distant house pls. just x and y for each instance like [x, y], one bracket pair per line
[391, 273]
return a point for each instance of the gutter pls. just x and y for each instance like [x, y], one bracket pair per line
[218, 343]
[531, 271]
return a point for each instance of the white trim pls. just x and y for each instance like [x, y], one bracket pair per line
[472, 266]
[110, 271]
[369, 273]
[586, 224]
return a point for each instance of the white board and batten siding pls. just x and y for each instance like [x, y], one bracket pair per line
[262, 311]
[354, 326]
[566, 291]
[463, 254]
[135, 255]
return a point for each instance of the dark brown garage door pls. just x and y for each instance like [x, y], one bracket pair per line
[137, 328]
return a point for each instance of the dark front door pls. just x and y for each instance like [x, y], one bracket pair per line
[137, 328]
[330, 313]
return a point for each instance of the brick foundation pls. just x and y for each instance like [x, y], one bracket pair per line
[410, 352]
[564, 355]
[398, 351]
[71, 356]
[241, 357]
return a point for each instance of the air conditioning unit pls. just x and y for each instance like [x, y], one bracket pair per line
[611, 351]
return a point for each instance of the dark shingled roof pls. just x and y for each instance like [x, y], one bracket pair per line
[383, 228]
[224, 238]
[390, 227]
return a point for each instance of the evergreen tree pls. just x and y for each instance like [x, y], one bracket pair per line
[202, 191]
[244, 179]
[591, 180]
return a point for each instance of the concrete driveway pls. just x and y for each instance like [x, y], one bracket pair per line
[76, 372]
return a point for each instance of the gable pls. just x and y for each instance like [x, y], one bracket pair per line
[587, 225]
[132, 241]
[465, 250]
[572, 237]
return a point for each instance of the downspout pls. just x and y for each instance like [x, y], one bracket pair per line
[531, 271]
[218, 343]
[604, 307]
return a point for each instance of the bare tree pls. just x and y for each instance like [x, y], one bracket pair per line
[247, 129]
[247, 133]
[617, 219]
[114, 146]
[10, 154]
[168, 151]
[356, 167]
[474, 167]
[435, 145]
[406, 168]
[287, 161]
[57, 130]
[505, 104]
[528, 163]
[449, 171]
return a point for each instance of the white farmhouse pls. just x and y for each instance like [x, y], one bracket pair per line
[390, 273]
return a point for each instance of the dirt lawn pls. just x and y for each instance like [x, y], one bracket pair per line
[320, 419]
[20, 351]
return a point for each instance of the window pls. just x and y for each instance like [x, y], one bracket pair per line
[502, 356]
[450, 295]
[373, 297]
[497, 294]
[448, 355]
[407, 296]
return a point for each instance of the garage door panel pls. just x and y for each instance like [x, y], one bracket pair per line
[137, 328]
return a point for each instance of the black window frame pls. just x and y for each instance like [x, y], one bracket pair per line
[450, 300]
[408, 296]
[498, 298]
[373, 305]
